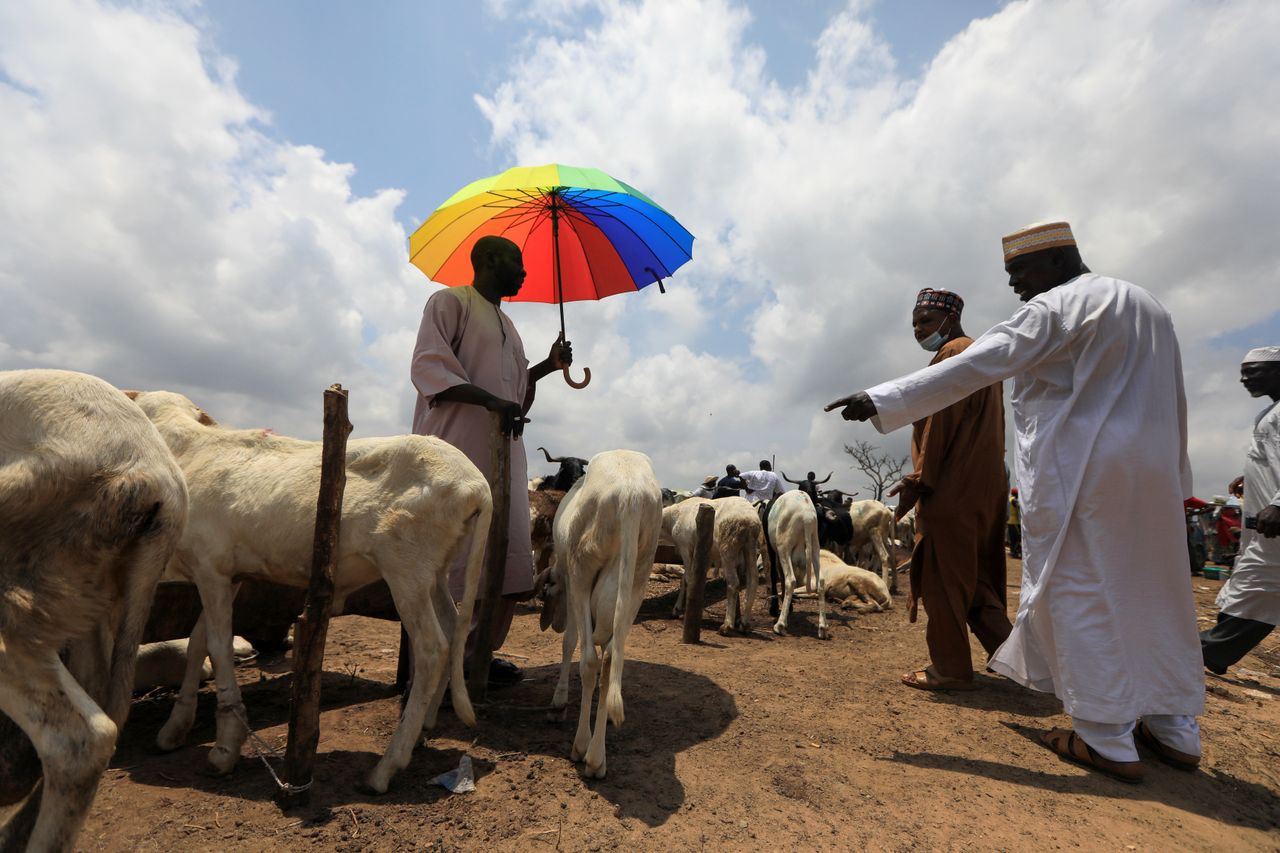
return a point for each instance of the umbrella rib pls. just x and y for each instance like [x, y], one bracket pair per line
[640, 212]
[641, 240]
[587, 255]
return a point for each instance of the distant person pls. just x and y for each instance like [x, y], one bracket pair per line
[957, 487]
[1105, 619]
[762, 484]
[731, 484]
[707, 489]
[809, 485]
[1015, 524]
[469, 361]
[1249, 602]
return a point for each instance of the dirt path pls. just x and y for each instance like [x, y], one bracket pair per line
[741, 743]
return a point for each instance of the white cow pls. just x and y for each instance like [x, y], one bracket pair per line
[606, 534]
[793, 533]
[411, 505]
[91, 507]
[164, 664]
[845, 584]
[873, 525]
[735, 550]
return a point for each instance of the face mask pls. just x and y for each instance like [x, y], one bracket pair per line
[934, 342]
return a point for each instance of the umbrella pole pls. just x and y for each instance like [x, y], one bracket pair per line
[555, 258]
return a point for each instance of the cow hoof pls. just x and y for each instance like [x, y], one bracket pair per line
[779, 630]
[824, 634]
[222, 760]
[595, 772]
[367, 788]
[725, 631]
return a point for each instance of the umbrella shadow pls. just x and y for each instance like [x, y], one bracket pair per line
[1213, 793]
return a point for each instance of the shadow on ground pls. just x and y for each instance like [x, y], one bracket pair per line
[1213, 793]
[668, 710]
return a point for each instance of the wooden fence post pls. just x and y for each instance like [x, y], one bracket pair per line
[495, 562]
[313, 626]
[705, 522]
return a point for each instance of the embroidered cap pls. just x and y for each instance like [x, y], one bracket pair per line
[944, 299]
[1034, 238]
[1262, 354]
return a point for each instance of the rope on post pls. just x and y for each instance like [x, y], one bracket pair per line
[313, 626]
[705, 523]
[495, 561]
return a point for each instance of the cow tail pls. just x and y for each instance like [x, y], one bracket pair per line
[628, 551]
[480, 521]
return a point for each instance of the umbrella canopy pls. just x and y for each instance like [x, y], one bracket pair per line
[600, 235]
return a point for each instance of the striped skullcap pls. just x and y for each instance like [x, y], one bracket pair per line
[944, 299]
[1262, 354]
[1034, 238]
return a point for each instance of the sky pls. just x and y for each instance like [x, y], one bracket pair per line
[216, 198]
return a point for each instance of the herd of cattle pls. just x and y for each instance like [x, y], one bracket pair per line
[104, 492]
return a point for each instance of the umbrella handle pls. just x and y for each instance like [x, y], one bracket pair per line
[586, 378]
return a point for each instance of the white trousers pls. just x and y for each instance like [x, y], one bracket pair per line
[1115, 740]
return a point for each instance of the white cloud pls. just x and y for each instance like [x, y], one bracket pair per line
[156, 232]
[1151, 124]
[155, 235]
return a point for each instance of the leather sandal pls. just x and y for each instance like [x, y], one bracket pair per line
[923, 679]
[1069, 746]
[1167, 754]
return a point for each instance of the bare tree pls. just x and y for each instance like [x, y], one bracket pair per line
[881, 468]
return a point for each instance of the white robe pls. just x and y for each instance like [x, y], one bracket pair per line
[1253, 592]
[465, 339]
[761, 485]
[1106, 619]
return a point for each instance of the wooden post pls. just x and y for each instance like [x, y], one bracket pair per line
[705, 523]
[495, 562]
[313, 626]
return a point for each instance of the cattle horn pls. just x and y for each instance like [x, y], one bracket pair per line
[554, 460]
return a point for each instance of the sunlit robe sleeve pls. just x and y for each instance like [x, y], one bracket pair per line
[1006, 350]
[435, 365]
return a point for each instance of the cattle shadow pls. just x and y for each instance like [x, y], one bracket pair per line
[668, 711]
[1213, 793]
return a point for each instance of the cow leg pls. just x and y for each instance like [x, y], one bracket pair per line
[752, 582]
[588, 664]
[887, 570]
[731, 603]
[789, 588]
[824, 633]
[430, 664]
[216, 594]
[174, 732]
[678, 610]
[560, 700]
[594, 761]
[74, 739]
[447, 618]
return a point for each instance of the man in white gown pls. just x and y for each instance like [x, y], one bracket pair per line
[1106, 620]
[1249, 602]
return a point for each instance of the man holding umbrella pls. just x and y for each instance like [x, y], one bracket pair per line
[469, 361]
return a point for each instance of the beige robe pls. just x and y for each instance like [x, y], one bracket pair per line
[465, 339]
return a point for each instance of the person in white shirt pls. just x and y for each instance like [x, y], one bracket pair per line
[762, 484]
[1106, 619]
[1249, 603]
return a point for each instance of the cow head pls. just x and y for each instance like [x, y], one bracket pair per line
[571, 470]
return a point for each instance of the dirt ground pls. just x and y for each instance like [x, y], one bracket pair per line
[738, 743]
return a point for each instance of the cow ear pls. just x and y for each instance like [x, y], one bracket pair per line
[132, 395]
[205, 418]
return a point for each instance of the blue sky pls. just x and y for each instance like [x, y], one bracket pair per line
[390, 87]
[242, 236]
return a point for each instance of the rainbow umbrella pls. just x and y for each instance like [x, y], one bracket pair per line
[583, 234]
